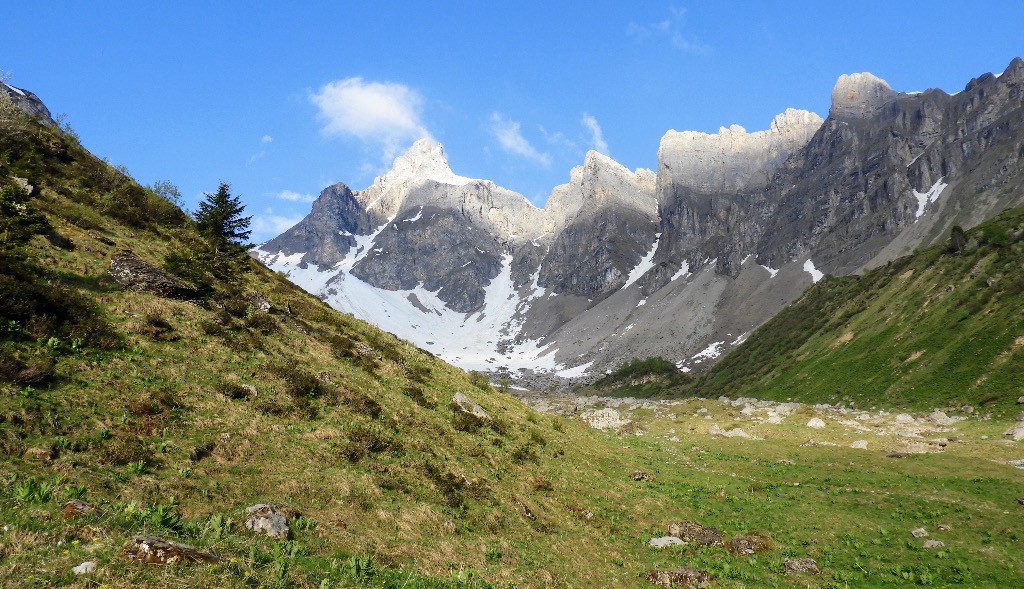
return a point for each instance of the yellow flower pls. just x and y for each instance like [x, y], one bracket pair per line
[76, 542]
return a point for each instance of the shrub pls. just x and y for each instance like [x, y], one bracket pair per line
[364, 440]
[479, 380]
[157, 328]
[418, 396]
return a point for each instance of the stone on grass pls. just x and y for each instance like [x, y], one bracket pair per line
[85, 568]
[944, 527]
[1015, 433]
[696, 533]
[463, 403]
[801, 565]
[154, 550]
[860, 445]
[665, 542]
[76, 508]
[919, 532]
[639, 475]
[685, 577]
[42, 454]
[266, 519]
[750, 543]
[934, 544]
[816, 423]
[904, 418]
[735, 432]
[133, 273]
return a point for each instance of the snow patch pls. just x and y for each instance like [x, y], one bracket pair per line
[772, 271]
[926, 198]
[816, 275]
[419, 214]
[575, 372]
[644, 265]
[684, 270]
[709, 353]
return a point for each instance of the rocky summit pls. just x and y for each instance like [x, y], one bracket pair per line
[729, 229]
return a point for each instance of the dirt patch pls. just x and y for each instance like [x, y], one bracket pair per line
[843, 339]
[915, 356]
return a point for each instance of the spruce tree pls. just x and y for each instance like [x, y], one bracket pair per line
[220, 218]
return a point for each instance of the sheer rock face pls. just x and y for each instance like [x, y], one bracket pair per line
[734, 226]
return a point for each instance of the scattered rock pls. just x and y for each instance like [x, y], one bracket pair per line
[85, 568]
[365, 349]
[940, 418]
[154, 550]
[919, 532]
[696, 533]
[604, 419]
[1021, 500]
[76, 508]
[639, 475]
[801, 565]
[944, 527]
[904, 418]
[665, 542]
[934, 544]
[815, 423]
[898, 455]
[266, 519]
[463, 403]
[860, 445]
[749, 543]
[686, 578]
[1020, 400]
[132, 273]
[25, 185]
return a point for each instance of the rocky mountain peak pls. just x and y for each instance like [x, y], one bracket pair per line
[29, 103]
[425, 160]
[859, 95]
[600, 181]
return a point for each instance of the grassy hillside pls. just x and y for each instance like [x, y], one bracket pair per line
[171, 416]
[942, 327]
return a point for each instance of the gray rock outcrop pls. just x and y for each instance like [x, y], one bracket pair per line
[29, 103]
[267, 520]
[134, 273]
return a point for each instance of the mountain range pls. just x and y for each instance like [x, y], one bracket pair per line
[681, 262]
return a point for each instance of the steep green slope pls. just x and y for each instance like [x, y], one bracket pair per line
[943, 327]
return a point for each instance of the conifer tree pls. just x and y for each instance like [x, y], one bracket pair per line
[220, 218]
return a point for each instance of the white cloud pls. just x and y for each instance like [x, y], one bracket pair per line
[597, 141]
[266, 139]
[269, 225]
[511, 139]
[295, 196]
[382, 114]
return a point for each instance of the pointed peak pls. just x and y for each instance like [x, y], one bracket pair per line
[858, 95]
[425, 159]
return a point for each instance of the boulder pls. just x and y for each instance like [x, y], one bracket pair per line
[463, 403]
[801, 565]
[133, 273]
[685, 577]
[919, 532]
[930, 544]
[154, 550]
[815, 423]
[266, 519]
[1015, 433]
[42, 453]
[76, 508]
[859, 445]
[735, 432]
[639, 475]
[749, 543]
[696, 533]
[665, 542]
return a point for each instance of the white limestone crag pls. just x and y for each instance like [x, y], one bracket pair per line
[859, 95]
[733, 159]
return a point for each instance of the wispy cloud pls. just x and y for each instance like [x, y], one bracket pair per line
[510, 137]
[256, 157]
[266, 139]
[268, 225]
[597, 141]
[293, 196]
[671, 29]
[380, 114]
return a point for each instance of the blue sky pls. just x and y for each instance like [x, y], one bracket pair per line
[281, 100]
